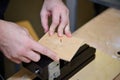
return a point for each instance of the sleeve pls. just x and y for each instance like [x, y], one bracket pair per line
[3, 6]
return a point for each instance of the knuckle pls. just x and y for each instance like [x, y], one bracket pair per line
[14, 56]
[65, 10]
[20, 52]
[42, 13]
[60, 29]
[65, 21]
[37, 59]
[27, 43]
[45, 51]
[55, 22]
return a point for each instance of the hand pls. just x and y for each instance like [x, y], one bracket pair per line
[18, 46]
[60, 17]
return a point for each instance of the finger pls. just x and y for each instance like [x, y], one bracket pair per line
[24, 59]
[55, 22]
[16, 60]
[44, 20]
[31, 55]
[45, 51]
[13, 59]
[67, 31]
[64, 22]
[27, 32]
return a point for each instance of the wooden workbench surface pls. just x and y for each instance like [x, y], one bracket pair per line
[102, 33]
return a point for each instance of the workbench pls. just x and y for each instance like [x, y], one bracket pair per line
[94, 33]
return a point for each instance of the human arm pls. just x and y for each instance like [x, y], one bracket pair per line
[60, 17]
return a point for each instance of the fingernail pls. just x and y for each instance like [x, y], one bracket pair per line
[60, 35]
[69, 35]
[51, 33]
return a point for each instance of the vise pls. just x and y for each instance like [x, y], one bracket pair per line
[47, 69]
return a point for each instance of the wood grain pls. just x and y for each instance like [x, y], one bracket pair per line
[63, 46]
[102, 32]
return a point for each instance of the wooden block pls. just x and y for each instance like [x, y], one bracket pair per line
[104, 67]
[102, 32]
[23, 74]
[64, 47]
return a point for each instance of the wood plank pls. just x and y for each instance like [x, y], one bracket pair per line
[102, 32]
[23, 74]
[102, 68]
[63, 46]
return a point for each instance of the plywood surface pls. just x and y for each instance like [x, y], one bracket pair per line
[103, 32]
[63, 46]
[102, 68]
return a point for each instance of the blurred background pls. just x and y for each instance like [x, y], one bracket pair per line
[81, 11]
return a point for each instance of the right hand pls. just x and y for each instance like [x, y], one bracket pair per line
[60, 17]
[18, 46]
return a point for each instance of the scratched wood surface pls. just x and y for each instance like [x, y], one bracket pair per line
[104, 67]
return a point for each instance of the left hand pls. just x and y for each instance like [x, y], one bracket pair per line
[18, 46]
[60, 17]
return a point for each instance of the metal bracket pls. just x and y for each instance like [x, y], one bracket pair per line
[54, 70]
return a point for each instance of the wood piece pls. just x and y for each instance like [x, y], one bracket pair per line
[63, 46]
[102, 32]
[102, 68]
[23, 74]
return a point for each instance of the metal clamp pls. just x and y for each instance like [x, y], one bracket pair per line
[54, 70]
